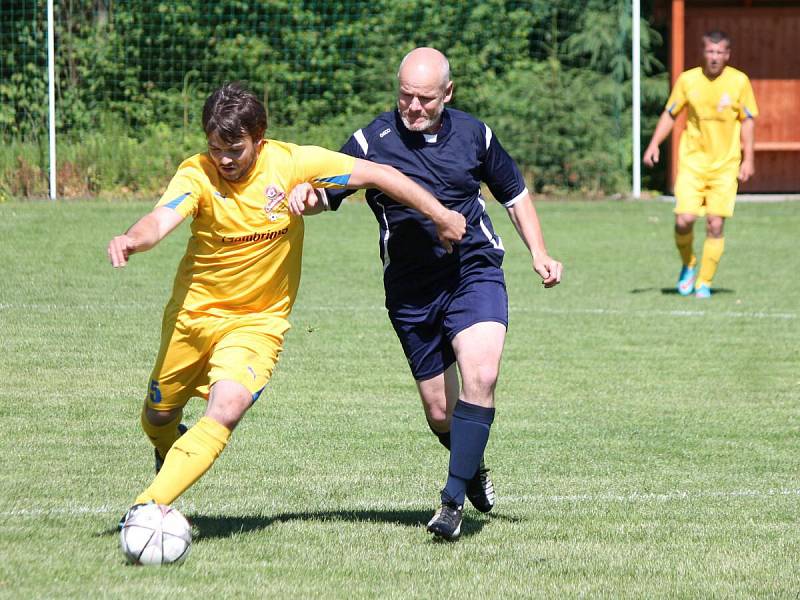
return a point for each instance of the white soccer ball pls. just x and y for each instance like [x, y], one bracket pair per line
[154, 534]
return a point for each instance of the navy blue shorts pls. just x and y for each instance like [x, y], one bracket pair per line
[427, 330]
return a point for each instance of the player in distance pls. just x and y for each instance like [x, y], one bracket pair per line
[224, 325]
[716, 149]
[450, 311]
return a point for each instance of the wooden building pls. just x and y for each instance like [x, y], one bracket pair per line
[765, 39]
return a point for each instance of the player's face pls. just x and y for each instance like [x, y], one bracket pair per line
[233, 160]
[421, 101]
[715, 56]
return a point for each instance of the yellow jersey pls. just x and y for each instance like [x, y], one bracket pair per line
[716, 108]
[240, 257]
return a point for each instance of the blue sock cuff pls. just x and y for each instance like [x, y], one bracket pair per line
[473, 412]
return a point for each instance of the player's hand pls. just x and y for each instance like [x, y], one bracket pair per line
[746, 170]
[651, 156]
[451, 229]
[119, 249]
[302, 197]
[549, 269]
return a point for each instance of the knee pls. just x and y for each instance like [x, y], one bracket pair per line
[436, 414]
[714, 228]
[158, 417]
[481, 381]
[434, 402]
[684, 223]
[438, 420]
[227, 403]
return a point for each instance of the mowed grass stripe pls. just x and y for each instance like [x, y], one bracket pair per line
[610, 312]
[632, 498]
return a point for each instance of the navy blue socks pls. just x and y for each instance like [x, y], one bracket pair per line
[469, 433]
[444, 438]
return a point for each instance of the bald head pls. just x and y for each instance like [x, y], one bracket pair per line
[425, 62]
[424, 87]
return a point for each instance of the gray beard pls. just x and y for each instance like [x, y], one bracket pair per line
[426, 124]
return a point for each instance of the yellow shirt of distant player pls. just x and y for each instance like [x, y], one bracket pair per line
[716, 109]
[240, 257]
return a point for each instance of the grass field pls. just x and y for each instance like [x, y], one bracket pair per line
[645, 445]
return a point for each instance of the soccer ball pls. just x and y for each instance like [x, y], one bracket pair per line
[154, 534]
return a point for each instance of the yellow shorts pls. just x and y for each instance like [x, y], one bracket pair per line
[199, 350]
[706, 193]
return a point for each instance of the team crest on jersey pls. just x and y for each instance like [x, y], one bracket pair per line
[724, 102]
[275, 196]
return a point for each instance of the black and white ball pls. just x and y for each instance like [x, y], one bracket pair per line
[154, 534]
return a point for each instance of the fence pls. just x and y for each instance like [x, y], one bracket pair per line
[553, 79]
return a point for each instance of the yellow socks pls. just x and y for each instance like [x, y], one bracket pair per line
[684, 242]
[190, 456]
[161, 436]
[712, 252]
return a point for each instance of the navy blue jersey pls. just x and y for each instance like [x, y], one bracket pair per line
[451, 164]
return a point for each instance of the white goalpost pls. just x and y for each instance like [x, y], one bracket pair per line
[635, 99]
[51, 93]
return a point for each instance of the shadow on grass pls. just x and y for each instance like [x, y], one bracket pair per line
[210, 527]
[220, 527]
[671, 291]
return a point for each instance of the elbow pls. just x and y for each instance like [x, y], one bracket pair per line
[383, 175]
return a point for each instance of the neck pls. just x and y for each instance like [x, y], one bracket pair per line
[712, 76]
[436, 126]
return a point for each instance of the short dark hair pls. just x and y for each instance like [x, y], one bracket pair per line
[716, 36]
[231, 111]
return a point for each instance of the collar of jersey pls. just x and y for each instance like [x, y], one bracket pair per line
[708, 79]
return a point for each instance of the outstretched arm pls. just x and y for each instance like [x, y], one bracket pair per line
[526, 221]
[143, 235]
[450, 225]
[748, 135]
[664, 126]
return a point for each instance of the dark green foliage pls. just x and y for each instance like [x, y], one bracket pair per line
[551, 78]
[570, 140]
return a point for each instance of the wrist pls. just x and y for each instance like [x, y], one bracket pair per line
[438, 213]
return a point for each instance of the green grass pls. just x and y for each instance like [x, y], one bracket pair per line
[645, 444]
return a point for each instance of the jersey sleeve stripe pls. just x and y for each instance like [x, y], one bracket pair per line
[385, 239]
[515, 199]
[340, 180]
[258, 393]
[323, 196]
[174, 203]
[362, 141]
[488, 136]
[748, 113]
[671, 107]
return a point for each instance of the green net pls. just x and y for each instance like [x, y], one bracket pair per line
[23, 67]
[551, 78]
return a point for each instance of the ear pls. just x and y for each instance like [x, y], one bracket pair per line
[448, 92]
